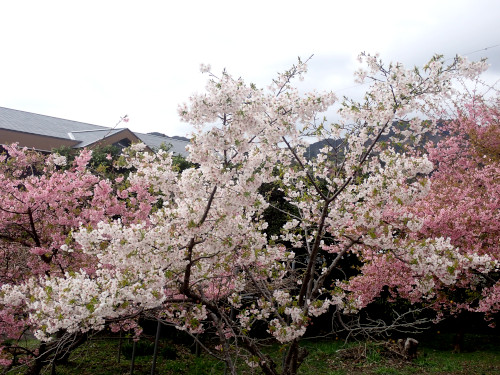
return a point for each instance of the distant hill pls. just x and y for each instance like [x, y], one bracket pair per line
[312, 150]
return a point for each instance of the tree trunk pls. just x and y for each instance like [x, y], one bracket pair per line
[294, 358]
[458, 339]
[38, 362]
[53, 352]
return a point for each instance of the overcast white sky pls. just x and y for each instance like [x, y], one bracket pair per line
[95, 61]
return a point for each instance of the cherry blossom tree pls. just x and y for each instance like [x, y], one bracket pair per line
[42, 199]
[464, 202]
[462, 206]
[203, 261]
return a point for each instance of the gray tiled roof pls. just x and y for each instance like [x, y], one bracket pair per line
[155, 141]
[27, 122]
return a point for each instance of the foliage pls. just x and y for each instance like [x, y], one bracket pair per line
[101, 161]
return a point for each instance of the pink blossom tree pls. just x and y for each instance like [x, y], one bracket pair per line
[462, 206]
[464, 201]
[203, 259]
[42, 200]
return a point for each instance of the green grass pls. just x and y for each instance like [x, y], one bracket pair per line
[481, 356]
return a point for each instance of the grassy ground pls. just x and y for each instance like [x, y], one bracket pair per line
[481, 355]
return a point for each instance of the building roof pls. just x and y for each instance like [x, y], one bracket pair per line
[78, 134]
[155, 141]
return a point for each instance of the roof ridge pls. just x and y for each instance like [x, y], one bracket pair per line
[97, 130]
